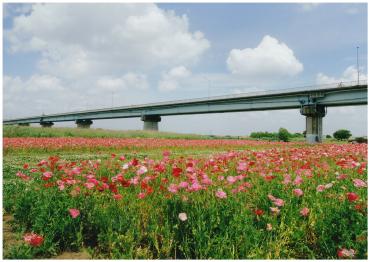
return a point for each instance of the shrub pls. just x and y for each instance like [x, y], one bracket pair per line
[283, 134]
[361, 139]
[264, 135]
[342, 134]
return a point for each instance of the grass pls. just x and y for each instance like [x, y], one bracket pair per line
[28, 131]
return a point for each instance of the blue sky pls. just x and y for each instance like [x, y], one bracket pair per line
[63, 57]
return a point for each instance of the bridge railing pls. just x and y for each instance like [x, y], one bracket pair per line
[293, 89]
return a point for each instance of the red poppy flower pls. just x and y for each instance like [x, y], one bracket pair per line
[352, 197]
[176, 171]
[258, 212]
[33, 239]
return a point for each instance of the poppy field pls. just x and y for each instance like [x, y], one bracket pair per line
[185, 199]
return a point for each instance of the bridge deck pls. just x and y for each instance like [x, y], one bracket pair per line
[349, 93]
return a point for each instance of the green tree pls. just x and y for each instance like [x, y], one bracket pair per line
[328, 136]
[283, 134]
[342, 134]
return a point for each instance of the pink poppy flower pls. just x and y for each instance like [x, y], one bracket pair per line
[221, 194]
[298, 180]
[271, 197]
[60, 185]
[89, 185]
[173, 188]
[134, 180]
[346, 253]
[195, 187]
[287, 179]
[23, 176]
[141, 170]
[42, 162]
[141, 195]
[341, 176]
[359, 183]
[242, 166]
[183, 184]
[298, 192]
[279, 202]
[117, 196]
[166, 153]
[304, 211]
[74, 212]
[76, 170]
[231, 179]
[190, 169]
[320, 188]
[47, 175]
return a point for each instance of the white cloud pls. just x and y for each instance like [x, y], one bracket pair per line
[36, 83]
[271, 59]
[12, 9]
[171, 80]
[349, 74]
[34, 95]
[128, 81]
[79, 39]
[49, 94]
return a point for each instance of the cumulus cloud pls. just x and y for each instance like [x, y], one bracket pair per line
[11, 9]
[271, 59]
[36, 83]
[33, 95]
[128, 81]
[349, 74]
[75, 39]
[88, 55]
[49, 94]
[171, 79]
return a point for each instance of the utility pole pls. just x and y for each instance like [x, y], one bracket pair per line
[358, 70]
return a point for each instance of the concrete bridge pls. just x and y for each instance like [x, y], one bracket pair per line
[312, 102]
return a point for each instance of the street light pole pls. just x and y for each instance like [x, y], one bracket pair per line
[358, 70]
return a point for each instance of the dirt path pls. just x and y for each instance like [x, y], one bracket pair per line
[73, 255]
[9, 237]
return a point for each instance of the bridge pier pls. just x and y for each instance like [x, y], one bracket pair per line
[24, 124]
[46, 124]
[84, 123]
[314, 115]
[151, 122]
